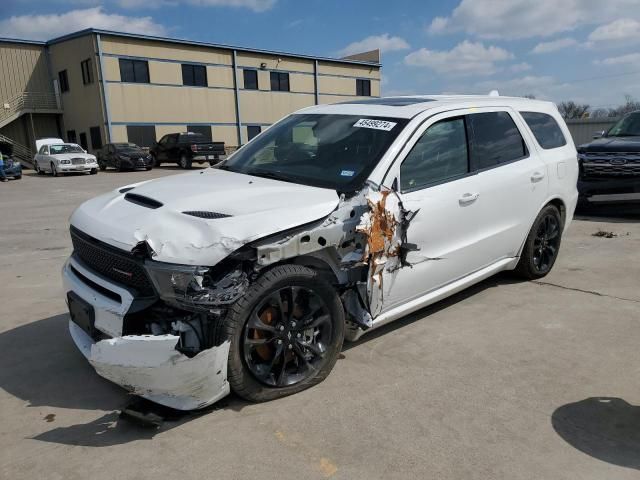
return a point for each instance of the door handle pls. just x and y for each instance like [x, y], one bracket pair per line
[468, 198]
[536, 177]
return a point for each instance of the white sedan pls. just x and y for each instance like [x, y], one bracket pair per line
[62, 158]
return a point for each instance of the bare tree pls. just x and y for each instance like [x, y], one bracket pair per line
[571, 109]
[630, 105]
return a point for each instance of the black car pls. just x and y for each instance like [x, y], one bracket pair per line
[186, 148]
[610, 165]
[123, 156]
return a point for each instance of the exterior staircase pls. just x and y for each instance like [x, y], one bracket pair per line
[20, 152]
[28, 102]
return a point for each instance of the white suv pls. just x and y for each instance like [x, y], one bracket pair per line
[336, 220]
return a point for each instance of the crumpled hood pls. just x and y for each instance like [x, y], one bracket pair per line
[257, 207]
[612, 144]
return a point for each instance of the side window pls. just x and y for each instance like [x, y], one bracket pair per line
[363, 88]
[134, 71]
[496, 140]
[279, 81]
[250, 79]
[63, 81]
[163, 140]
[441, 154]
[253, 131]
[545, 129]
[42, 150]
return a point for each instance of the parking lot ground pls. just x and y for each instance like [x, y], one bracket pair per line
[507, 380]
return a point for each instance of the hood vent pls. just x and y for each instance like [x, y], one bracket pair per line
[207, 215]
[142, 200]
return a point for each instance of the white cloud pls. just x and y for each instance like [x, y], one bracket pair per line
[384, 42]
[520, 67]
[622, 31]
[466, 58]
[255, 5]
[48, 26]
[543, 87]
[554, 45]
[526, 18]
[629, 59]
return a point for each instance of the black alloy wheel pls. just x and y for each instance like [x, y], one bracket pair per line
[542, 244]
[286, 337]
[546, 243]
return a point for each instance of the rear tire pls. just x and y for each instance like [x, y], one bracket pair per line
[542, 245]
[184, 162]
[311, 346]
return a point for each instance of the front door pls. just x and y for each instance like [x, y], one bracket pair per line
[435, 180]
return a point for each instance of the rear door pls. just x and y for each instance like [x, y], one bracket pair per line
[513, 180]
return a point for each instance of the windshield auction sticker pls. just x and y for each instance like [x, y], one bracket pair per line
[375, 124]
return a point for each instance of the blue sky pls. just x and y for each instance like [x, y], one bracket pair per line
[582, 50]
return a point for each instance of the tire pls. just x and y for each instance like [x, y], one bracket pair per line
[184, 162]
[235, 327]
[17, 177]
[119, 166]
[37, 169]
[154, 161]
[54, 171]
[93, 171]
[102, 165]
[148, 168]
[542, 245]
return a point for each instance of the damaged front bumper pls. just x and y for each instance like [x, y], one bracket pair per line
[145, 365]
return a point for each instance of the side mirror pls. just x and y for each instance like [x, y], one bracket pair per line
[599, 134]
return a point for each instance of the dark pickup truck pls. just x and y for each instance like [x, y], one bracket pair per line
[186, 148]
[610, 165]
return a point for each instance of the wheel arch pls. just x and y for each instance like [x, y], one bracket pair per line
[556, 202]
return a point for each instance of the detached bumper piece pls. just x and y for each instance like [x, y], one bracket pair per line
[146, 365]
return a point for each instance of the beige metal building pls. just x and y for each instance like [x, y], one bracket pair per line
[96, 86]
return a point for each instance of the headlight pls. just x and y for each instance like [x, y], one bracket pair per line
[192, 288]
[91, 160]
[65, 162]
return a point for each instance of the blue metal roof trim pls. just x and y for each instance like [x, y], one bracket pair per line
[26, 42]
[196, 43]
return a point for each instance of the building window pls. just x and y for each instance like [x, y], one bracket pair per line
[134, 71]
[194, 75]
[96, 138]
[83, 140]
[63, 80]
[250, 79]
[253, 131]
[87, 73]
[141, 135]
[279, 82]
[71, 136]
[363, 88]
[204, 130]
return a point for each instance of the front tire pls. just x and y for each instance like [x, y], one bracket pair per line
[184, 162]
[542, 245]
[286, 333]
[54, 171]
[93, 171]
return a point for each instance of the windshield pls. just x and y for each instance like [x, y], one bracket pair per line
[65, 148]
[329, 151]
[122, 147]
[627, 127]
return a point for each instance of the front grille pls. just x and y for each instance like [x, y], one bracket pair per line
[611, 164]
[113, 263]
[78, 161]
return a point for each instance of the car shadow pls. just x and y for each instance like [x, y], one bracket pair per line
[43, 367]
[605, 428]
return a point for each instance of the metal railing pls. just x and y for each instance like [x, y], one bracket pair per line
[21, 152]
[29, 101]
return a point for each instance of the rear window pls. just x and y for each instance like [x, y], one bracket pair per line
[496, 140]
[193, 138]
[545, 129]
